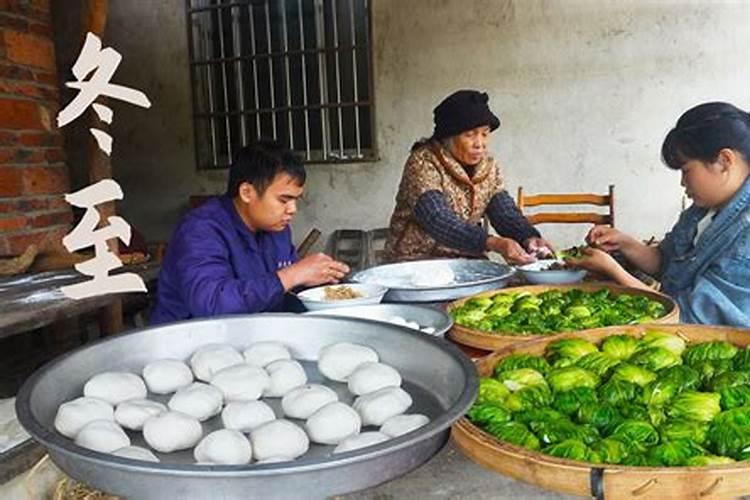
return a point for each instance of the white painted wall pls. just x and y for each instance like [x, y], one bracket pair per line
[586, 91]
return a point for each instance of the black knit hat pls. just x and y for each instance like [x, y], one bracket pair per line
[461, 111]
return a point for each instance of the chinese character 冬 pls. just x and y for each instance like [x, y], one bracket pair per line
[103, 64]
[86, 234]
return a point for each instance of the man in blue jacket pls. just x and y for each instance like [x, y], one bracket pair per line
[234, 254]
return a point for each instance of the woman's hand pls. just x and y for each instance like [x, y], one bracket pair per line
[511, 251]
[607, 238]
[539, 247]
[597, 261]
[316, 269]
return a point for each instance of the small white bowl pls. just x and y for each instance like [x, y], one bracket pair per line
[537, 273]
[314, 298]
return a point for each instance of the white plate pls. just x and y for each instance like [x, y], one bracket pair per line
[314, 298]
[538, 274]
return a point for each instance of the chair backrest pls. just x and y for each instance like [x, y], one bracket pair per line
[542, 199]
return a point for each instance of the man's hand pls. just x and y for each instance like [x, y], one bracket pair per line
[511, 251]
[313, 270]
[539, 248]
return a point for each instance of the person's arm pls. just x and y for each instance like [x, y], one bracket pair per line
[603, 263]
[437, 218]
[208, 283]
[644, 257]
[508, 220]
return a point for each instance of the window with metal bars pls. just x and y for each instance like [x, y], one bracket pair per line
[299, 71]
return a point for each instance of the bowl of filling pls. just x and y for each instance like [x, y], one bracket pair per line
[345, 295]
[551, 272]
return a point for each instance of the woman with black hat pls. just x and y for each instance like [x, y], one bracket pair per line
[450, 184]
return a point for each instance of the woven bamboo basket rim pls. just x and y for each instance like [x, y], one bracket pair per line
[605, 480]
[493, 341]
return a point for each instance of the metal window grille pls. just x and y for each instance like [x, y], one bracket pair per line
[299, 71]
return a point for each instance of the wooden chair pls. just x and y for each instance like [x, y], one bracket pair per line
[607, 200]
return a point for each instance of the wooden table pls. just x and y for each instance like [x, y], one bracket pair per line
[32, 301]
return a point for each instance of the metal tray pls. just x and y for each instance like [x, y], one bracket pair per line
[472, 276]
[425, 316]
[441, 380]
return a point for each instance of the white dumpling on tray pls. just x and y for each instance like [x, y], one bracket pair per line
[199, 400]
[211, 358]
[133, 413]
[102, 435]
[338, 361]
[437, 275]
[136, 453]
[306, 400]
[372, 376]
[245, 416]
[377, 407]
[172, 431]
[115, 387]
[285, 374]
[224, 447]
[265, 353]
[361, 441]
[398, 425]
[241, 382]
[73, 415]
[280, 438]
[333, 423]
[165, 376]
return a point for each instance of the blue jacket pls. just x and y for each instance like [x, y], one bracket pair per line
[711, 280]
[215, 265]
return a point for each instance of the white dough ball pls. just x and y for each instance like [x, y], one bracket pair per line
[102, 435]
[241, 382]
[274, 460]
[74, 415]
[115, 387]
[338, 361]
[429, 330]
[279, 438]
[377, 407]
[398, 425]
[438, 275]
[360, 441]
[333, 423]
[397, 320]
[306, 400]
[199, 400]
[413, 325]
[167, 375]
[136, 453]
[264, 353]
[211, 358]
[245, 416]
[172, 431]
[224, 447]
[369, 377]
[132, 414]
[286, 374]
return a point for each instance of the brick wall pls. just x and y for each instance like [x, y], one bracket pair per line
[33, 173]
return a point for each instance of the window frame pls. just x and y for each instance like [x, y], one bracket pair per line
[367, 155]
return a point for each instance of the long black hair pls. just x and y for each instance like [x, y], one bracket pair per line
[260, 163]
[703, 131]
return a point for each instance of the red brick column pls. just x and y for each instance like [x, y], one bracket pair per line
[33, 173]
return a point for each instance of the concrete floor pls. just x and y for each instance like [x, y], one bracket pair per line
[451, 475]
[448, 475]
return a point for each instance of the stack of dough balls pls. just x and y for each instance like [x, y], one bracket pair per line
[172, 404]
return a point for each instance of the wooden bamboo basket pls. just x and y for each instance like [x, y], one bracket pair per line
[493, 341]
[604, 481]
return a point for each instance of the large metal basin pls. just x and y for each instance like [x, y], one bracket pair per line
[439, 377]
